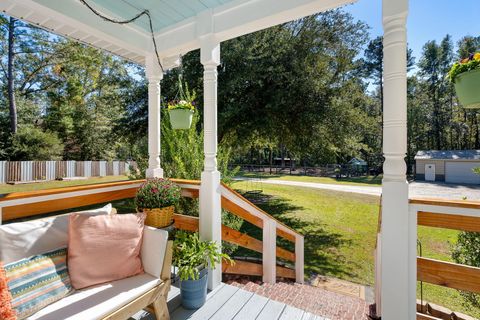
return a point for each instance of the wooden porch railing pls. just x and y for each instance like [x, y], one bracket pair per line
[28, 204]
[446, 214]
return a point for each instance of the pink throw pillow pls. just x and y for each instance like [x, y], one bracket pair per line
[104, 248]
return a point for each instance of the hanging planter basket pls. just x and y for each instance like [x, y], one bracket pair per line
[467, 87]
[181, 118]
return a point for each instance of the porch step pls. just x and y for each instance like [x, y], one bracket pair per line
[314, 300]
[229, 302]
[344, 287]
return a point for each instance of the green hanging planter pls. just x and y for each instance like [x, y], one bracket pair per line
[181, 118]
[467, 86]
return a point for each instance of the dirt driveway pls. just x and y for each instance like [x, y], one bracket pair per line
[417, 189]
[444, 190]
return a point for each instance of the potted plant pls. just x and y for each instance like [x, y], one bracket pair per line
[181, 111]
[465, 76]
[157, 198]
[192, 257]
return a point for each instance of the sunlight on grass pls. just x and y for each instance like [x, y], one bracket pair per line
[340, 230]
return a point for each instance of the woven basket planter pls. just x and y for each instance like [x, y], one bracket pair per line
[159, 217]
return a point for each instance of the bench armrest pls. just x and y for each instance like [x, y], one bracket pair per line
[156, 252]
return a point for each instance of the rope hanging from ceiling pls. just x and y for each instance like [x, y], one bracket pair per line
[143, 13]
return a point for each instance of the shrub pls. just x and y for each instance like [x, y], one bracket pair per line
[157, 193]
[467, 251]
[31, 143]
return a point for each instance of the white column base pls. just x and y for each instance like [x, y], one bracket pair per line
[154, 173]
[210, 222]
[398, 264]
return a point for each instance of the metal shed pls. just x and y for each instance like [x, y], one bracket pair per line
[451, 166]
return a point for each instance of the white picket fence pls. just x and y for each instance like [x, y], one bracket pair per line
[26, 171]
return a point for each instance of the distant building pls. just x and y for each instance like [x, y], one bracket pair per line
[358, 164]
[452, 166]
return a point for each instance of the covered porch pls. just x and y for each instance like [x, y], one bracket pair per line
[182, 26]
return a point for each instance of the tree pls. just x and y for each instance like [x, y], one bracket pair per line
[434, 66]
[33, 144]
[11, 76]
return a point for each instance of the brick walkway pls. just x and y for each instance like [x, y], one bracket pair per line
[314, 300]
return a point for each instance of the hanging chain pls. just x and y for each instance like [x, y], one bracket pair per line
[143, 13]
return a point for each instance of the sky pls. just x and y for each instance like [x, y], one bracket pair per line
[427, 20]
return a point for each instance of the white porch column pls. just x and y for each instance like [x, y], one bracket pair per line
[154, 75]
[398, 266]
[210, 194]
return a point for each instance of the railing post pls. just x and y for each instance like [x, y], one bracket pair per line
[398, 284]
[269, 251]
[154, 76]
[299, 258]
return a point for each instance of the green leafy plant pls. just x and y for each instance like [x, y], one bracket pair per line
[190, 255]
[187, 98]
[467, 251]
[157, 193]
[467, 64]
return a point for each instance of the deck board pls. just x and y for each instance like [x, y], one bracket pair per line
[290, 312]
[271, 311]
[209, 308]
[252, 308]
[231, 303]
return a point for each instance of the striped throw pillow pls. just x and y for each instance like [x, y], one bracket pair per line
[38, 281]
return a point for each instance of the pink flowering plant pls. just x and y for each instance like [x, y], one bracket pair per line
[157, 193]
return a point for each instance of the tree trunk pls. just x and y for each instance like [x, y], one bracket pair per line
[11, 77]
[271, 159]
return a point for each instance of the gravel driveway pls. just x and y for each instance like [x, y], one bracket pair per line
[417, 189]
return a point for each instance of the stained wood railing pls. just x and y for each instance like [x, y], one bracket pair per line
[28, 204]
[447, 214]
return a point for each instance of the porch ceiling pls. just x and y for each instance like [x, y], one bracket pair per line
[179, 25]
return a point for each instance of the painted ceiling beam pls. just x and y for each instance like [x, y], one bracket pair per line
[227, 21]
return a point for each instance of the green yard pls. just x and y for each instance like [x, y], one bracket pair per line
[363, 181]
[340, 231]
[8, 188]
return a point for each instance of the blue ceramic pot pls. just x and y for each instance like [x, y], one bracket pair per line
[194, 292]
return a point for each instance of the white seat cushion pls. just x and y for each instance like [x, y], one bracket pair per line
[153, 251]
[98, 301]
[24, 239]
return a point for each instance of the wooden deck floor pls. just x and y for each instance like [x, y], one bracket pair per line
[232, 303]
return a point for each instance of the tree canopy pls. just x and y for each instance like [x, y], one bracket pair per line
[310, 89]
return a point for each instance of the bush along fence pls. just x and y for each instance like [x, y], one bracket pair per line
[328, 170]
[30, 171]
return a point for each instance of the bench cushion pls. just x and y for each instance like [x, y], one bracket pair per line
[98, 301]
[24, 239]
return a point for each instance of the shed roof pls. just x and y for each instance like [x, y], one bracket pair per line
[358, 162]
[448, 155]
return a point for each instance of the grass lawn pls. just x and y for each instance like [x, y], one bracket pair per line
[8, 188]
[340, 230]
[362, 181]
